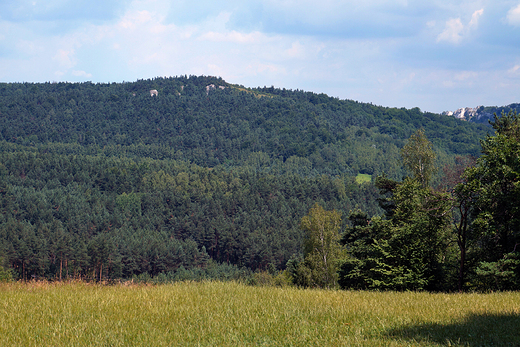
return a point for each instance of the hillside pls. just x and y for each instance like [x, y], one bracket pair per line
[214, 126]
[107, 181]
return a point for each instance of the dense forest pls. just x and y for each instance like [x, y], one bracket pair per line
[108, 181]
[191, 122]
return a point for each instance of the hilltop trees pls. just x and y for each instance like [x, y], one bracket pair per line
[222, 127]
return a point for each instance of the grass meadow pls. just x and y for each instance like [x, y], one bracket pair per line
[234, 314]
[363, 178]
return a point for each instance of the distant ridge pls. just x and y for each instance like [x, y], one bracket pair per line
[209, 122]
[481, 114]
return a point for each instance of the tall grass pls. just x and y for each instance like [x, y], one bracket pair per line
[233, 314]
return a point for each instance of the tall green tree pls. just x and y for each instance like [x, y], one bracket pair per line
[494, 183]
[418, 157]
[323, 253]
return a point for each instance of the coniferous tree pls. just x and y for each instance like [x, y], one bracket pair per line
[493, 184]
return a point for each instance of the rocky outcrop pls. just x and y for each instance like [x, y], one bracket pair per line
[213, 87]
[467, 113]
[209, 87]
[481, 114]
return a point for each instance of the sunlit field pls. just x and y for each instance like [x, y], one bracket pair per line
[233, 314]
[363, 178]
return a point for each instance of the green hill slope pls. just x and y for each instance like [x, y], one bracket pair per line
[226, 126]
[104, 180]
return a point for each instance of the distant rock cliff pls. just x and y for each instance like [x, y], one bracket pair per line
[467, 113]
[481, 114]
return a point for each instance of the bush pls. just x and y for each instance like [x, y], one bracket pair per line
[5, 274]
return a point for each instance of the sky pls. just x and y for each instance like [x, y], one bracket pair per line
[435, 55]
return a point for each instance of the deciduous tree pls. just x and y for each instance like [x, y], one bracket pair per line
[323, 253]
[418, 157]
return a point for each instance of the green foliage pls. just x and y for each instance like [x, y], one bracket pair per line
[493, 185]
[502, 274]
[419, 157]
[5, 274]
[101, 181]
[403, 251]
[266, 278]
[322, 251]
[211, 271]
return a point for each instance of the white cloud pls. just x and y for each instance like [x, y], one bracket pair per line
[79, 73]
[297, 50]
[27, 47]
[61, 11]
[133, 19]
[475, 18]
[234, 36]
[263, 69]
[513, 16]
[514, 71]
[65, 58]
[466, 76]
[454, 31]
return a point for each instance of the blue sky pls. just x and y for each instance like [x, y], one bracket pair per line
[435, 55]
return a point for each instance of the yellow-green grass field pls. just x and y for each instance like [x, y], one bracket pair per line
[363, 178]
[234, 314]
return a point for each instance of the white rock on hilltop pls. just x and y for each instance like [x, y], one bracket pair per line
[466, 113]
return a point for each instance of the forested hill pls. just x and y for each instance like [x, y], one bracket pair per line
[106, 181]
[225, 125]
